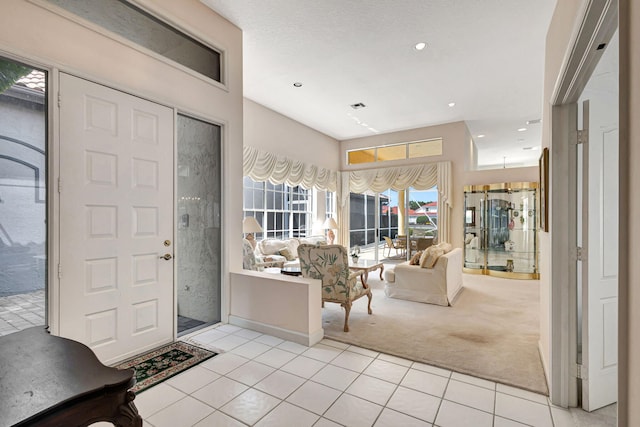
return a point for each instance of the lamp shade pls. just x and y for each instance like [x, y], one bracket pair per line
[330, 224]
[250, 225]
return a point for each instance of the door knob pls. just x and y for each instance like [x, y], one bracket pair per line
[166, 257]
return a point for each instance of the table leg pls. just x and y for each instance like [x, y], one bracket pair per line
[381, 270]
[363, 279]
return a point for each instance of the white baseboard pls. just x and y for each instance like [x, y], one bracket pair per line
[545, 368]
[285, 334]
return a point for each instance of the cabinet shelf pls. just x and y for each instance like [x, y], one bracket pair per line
[498, 221]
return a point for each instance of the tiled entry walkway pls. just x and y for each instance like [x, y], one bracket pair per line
[265, 381]
[21, 311]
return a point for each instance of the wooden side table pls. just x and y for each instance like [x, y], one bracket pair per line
[366, 266]
[52, 381]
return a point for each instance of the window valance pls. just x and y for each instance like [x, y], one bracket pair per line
[263, 166]
[420, 177]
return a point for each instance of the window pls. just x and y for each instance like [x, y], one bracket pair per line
[23, 204]
[405, 150]
[281, 210]
[138, 26]
[330, 205]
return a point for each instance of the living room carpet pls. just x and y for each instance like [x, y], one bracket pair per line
[160, 364]
[491, 331]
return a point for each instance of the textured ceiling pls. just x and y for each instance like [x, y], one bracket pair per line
[486, 56]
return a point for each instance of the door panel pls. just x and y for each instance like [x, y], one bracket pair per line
[600, 289]
[116, 210]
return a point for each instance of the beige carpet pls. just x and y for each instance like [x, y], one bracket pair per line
[491, 331]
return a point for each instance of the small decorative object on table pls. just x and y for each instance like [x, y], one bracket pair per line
[510, 265]
[355, 253]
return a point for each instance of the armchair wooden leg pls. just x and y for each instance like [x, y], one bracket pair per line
[347, 310]
[369, 295]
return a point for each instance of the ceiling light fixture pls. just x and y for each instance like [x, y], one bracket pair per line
[452, 104]
[522, 129]
[297, 84]
[420, 46]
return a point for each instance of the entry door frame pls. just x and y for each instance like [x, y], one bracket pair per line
[140, 290]
[599, 23]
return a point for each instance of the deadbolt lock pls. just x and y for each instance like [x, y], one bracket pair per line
[167, 242]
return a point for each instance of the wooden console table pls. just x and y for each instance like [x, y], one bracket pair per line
[52, 381]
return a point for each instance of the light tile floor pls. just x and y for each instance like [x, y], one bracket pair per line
[21, 311]
[264, 381]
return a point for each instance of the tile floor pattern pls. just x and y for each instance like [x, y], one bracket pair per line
[18, 312]
[265, 381]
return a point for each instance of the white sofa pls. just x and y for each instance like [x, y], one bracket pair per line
[268, 251]
[438, 285]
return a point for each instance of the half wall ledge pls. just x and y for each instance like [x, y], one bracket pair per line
[283, 306]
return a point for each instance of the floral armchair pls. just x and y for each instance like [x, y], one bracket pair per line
[330, 263]
[248, 257]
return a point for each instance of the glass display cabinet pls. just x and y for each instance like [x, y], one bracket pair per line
[500, 230]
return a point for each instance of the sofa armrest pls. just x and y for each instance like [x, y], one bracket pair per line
[453, 273]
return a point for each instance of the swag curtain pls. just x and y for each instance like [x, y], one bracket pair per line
[420, 177]
[263, 166]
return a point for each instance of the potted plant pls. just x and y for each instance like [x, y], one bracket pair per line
[355, 253]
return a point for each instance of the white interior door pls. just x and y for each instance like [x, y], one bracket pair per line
[600, 277]
[116, 210]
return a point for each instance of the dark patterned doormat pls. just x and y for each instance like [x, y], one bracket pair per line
[160, 364]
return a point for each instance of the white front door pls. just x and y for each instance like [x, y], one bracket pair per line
[601, 201]
[116, 220]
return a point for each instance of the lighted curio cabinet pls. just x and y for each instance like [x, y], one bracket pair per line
[500, 230]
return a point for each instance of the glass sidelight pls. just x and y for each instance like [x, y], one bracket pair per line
[198, 238]
[23, 204]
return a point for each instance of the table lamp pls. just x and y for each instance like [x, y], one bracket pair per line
[330, 225]
[250, 226]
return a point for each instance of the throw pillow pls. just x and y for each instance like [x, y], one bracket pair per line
[287, 254]
[447, 247]
[432, 255]
[415, 259]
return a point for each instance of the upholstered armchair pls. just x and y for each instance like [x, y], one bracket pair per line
[330, 264]
[248, 257]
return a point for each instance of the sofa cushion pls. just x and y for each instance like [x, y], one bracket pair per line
[274, 246]
[285, 252]
[415, 259]
[445, 246]
[430, 256]
[313, 240]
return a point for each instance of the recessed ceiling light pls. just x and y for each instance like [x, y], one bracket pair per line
[297, 84]
[527, 148]
[420, 46]
[480, 136]
[533, 122]
[452, 104]
[522, 129]
[357, 105]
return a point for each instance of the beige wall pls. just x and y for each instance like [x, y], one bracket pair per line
[495, 176]
[454, 135]
[270, 131]
[629, 297]
[458, 148]
[37, 36]
[562, 30]
[283, 306]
